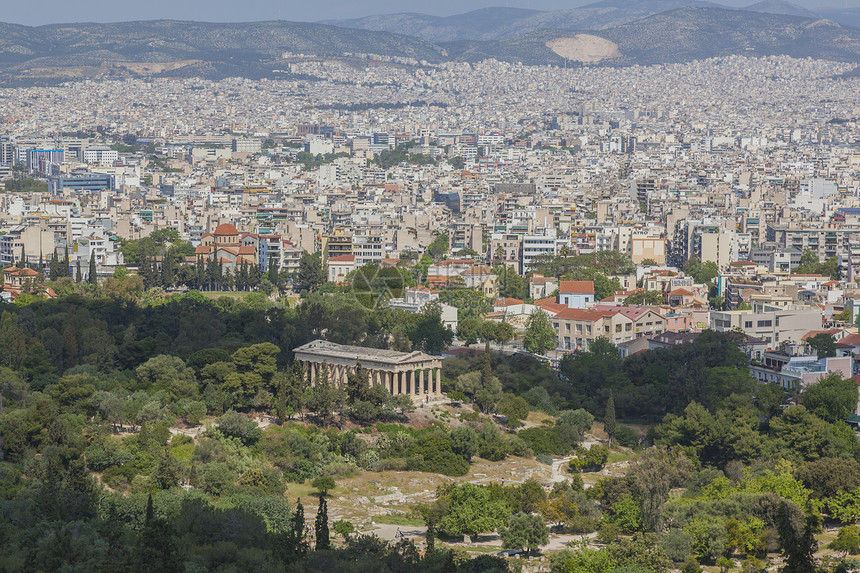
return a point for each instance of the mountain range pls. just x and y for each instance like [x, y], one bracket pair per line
[608, 32]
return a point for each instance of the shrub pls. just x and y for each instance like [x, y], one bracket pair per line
[545, 440]
[590, 459]
[323, 484]
[625, 436]
[608, 532]
[457, 396]
[115, 478]
[234, 424]
[581, 524]
[343, 527]
[513, 408]
[544, 459]
[393, 465]
[216, 478]
[677, 545]
[516, 446]
[181, 440]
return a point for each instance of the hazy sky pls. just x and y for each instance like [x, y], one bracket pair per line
[56, 11]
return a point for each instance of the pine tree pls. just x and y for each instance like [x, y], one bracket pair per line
[321, 525]
[93, 278]
[609, 417]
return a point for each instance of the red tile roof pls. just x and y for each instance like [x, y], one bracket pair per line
[226, 229]
[576, 287]
[583, 314]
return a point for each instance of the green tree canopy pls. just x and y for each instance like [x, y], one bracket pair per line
[540, 335]
[524, 531]
[832, 398]
[473, 510]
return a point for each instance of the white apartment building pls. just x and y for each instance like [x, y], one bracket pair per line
[100, 155]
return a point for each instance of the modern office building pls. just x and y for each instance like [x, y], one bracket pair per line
[41, 160]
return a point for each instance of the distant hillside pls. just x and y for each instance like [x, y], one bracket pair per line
[500, 23]
[844, 16]
[184, 48]
[597, 16]
[677, 36]
[478, 24]
[50, 54]
[781, 7]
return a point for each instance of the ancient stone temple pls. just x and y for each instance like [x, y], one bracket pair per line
[414, 373]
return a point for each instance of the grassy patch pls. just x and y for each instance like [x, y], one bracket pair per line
[303, 490]
[218, 294]
[619, 457]
[398, 520]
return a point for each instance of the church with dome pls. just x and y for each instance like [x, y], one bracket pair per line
[233, 248]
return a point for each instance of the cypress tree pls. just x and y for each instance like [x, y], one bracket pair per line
[609, 418]
[93, 278]
[149, 511]
[323, 542]
[54, 266]
[67, 272]
[487, 369]
[78, 277]
[295, 544]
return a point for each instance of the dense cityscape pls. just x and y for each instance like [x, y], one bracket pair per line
[375, 313]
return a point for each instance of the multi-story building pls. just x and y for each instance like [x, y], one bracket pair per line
[546, 242]
[247, 145]
[44, 161]
[336, 244]
[578, 328]
[825, 240]
[368, 249]
[100, 155]
[774, 327]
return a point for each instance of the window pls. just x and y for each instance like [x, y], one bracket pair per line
[628, 327]
[765, 323]
[617, 328]
[748, 324]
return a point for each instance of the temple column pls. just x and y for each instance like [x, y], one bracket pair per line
[438, 380]
[422, 386]
[389, 376]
